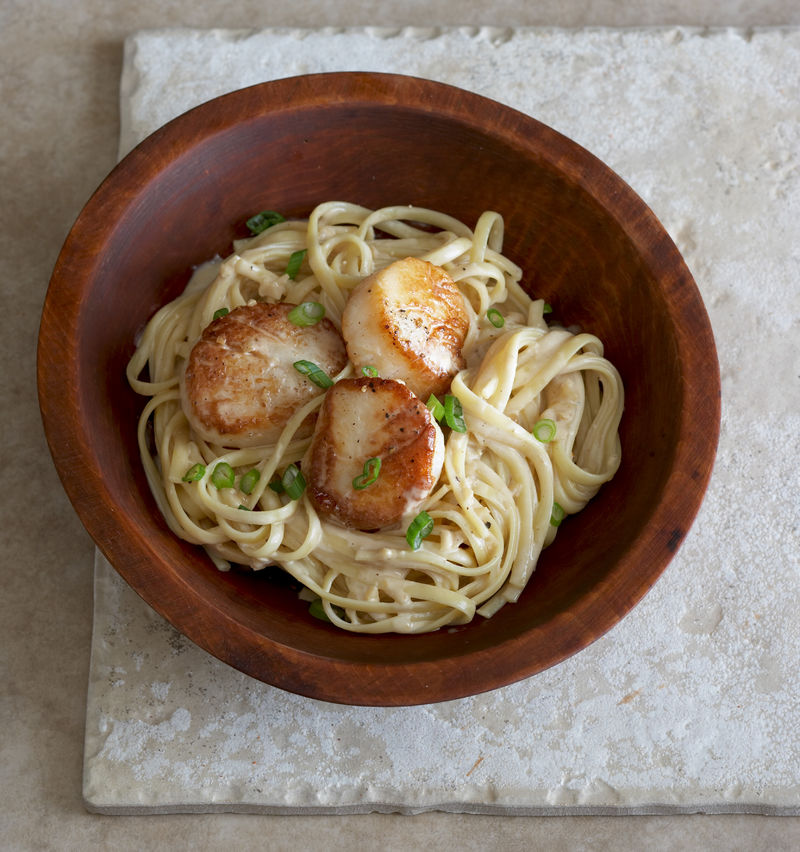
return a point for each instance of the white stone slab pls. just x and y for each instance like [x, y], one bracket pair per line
[692, 703]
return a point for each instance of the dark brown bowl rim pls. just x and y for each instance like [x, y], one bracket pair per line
[591, 617]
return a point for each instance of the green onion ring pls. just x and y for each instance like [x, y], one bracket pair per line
[295, 262]
[544, 430]
[308, 368]
[495, 318]
[436, 408]
[454, 413]
[248, 481]
[275, 484]
[318, 610]
[293, 482]
[419, 528]
[263, 220]
[195, 473]
[372, 467]
[223, 476]
[306, 314]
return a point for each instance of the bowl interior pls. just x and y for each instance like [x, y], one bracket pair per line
[587, 244]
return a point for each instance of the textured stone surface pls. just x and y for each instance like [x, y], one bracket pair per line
[691, 703]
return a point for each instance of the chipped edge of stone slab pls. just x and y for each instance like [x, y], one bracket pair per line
[449, 807]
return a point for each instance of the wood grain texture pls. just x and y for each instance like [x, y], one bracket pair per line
[588, 244]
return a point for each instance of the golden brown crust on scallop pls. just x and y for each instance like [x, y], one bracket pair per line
[410, 322]
[365, 418]
[239, 387]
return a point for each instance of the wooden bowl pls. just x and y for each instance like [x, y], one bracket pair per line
[588, 244]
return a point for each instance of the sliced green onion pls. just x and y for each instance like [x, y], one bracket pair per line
[295, 262]
[246, 508]
[454, 413]
[306, 314]
[308, 368]
[544, 430]
[221, 313]
[248, 482]
[557, 515]
[293, 482]
[547, 309]
[195, 473]
[419, 528]
[223, 476]
[436, 407]
[263, 220]
[372, 467]
[495, 318]
[318, 610]
[275, 484]
[369, 370]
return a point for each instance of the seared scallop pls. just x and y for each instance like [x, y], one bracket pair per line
[409, 322]
[362, 420]
[239, 387]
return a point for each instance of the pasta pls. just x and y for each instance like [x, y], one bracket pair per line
[541, 408]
